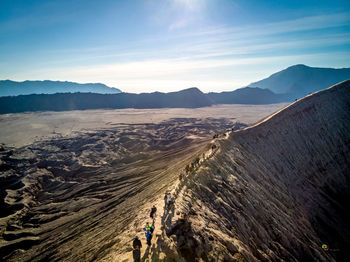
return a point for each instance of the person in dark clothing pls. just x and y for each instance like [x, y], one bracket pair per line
[136, 253]
[165, 199]
[136, 244]
[153, 212]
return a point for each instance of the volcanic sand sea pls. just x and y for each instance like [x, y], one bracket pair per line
[24, 128]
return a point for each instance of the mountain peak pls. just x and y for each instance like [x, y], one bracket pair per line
[300, 80]
[192, 89]
[299, 66]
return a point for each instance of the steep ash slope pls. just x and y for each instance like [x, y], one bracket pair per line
[275, 191]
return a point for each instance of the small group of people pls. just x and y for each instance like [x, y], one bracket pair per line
[149, 228]
[169, 202]
[189, 168]
[217, 135]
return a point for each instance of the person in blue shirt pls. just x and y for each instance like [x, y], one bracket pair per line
[149, 232]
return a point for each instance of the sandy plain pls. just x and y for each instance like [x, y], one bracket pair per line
[24, 128]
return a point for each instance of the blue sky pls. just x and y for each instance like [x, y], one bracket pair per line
[168, 45]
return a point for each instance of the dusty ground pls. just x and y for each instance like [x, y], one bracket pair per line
[74, 182]
[23, 129]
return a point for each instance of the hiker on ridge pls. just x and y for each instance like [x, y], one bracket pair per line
[169, 200]
[153, 212]
[136, 244]
[149, 232]
[166, 198]
[197, 161]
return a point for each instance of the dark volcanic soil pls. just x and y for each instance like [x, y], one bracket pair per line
[68, 198]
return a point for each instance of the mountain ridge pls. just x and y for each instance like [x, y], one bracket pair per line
[28, 87]
[187, 98]
[283, 86]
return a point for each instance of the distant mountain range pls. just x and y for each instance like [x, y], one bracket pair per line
[299, 80]
[188, 98]
[284, 86]
[13, 88]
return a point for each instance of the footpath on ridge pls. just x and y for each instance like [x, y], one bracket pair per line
[166, 219]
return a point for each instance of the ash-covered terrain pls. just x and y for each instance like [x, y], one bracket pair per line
[275, 191]
[72, 182]
[67, 198]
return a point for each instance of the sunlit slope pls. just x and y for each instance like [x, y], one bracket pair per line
[275, 191]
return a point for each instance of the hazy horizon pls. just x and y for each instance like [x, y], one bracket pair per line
[165, 46]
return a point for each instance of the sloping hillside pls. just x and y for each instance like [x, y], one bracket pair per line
[276, 191]
[300, 80]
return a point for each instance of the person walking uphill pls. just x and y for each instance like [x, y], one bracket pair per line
[165, 199]
[136, 244]
[149, 232]
[170, 201]
[153, 212]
